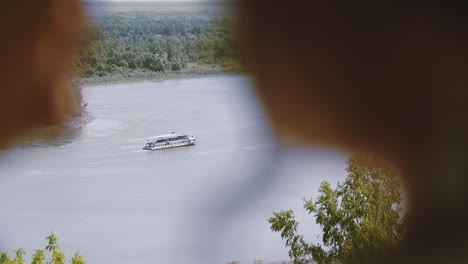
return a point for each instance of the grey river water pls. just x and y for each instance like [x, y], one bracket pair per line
[208, 203]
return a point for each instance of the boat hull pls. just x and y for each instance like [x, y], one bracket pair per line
[168, 147]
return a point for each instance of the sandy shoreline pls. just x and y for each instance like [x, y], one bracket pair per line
[154, 76]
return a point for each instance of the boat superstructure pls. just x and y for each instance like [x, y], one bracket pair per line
[172, 140]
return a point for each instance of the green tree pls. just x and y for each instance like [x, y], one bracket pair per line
[78, 259]
[53, 243]
[19, 256]
[39, 257]
[4, 258]
[362, 217]
[58, 257]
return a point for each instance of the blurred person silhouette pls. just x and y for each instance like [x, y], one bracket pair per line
[388, 78]
[39, 40]
[382, 77]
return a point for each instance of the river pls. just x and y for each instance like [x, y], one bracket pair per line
[208, 203]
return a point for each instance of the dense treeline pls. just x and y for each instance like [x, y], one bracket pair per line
[144, 42]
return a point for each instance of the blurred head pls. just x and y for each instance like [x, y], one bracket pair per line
[383, 77]
[37, 48]
[363, 76]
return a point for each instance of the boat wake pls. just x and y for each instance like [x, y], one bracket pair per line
[233, 149]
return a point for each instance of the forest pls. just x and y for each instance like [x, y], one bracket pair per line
[138, 43]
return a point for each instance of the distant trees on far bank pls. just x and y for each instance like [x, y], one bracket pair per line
[137, 42]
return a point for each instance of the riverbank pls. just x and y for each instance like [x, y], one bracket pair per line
[190, 72]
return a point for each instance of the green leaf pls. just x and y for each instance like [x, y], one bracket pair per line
[359, 218]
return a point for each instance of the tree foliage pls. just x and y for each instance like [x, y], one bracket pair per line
[362, 217]
[19, 256]
[78, 259]
[39, 257]
[51, 254]
[135, 42]
[53, 243]
[4, 258]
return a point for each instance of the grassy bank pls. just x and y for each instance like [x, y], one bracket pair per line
[192, 71]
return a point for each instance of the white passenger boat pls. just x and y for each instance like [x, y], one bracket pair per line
[172, 140]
